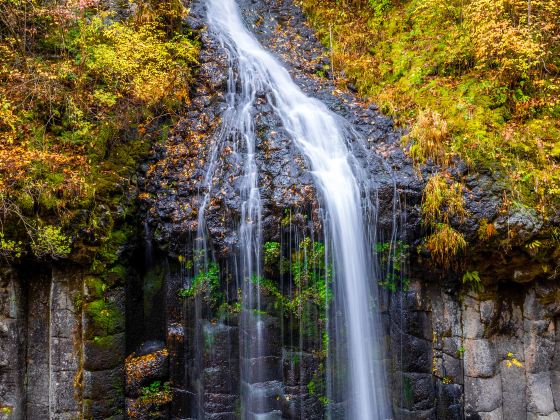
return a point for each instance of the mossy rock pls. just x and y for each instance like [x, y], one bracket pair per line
[103, 318]
[94, 288]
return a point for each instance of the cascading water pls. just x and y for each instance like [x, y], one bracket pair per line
[238, 127]
[323, 139]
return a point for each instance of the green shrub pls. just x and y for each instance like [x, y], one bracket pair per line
[49, 241]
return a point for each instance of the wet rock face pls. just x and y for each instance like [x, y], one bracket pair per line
[174, 179]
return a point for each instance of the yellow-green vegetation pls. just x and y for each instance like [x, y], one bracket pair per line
[6, 410]
[442, 200]
[84, 89]
[513, 361]
[106, 317]
[474, 79]
[445, 243]
[429, 138]
[472, 279]
[205, 283]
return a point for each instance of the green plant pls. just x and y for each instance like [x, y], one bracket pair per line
[271, 254]
[156, 393]
[380, 6]
[154, 388]
[311, 387]
[444, 244]
[533, 247]
[486, 230]
[49, 241]
[205, 283]
[10, 249]
[442, 199]
[472, 278]
[312, 277]
[392, 258]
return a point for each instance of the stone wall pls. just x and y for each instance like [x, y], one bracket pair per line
[12, 347]
[489, 355]
[53, 362]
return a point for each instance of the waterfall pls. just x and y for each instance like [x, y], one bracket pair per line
[323, 138]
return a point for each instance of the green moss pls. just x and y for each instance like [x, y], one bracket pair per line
[106, 259]
[95, 287]
[106, 342]
[117, 274]
[106, 317]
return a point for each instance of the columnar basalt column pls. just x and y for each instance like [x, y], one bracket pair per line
[12, 346]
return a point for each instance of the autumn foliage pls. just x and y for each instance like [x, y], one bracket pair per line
[84, 87]
[477, 80]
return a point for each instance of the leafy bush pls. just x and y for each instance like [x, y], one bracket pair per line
[206, 284]
[442, 199]
[10, 249]
[51, 242]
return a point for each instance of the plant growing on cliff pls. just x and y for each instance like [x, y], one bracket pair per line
[486, 230]
[10, 249]
[428, 137]
[442, 199]
[311, 275]
[205, 284]
[49, 241]
[472, 279]
[271, 254]
[392, 258]
[444, 244]
[513, 361]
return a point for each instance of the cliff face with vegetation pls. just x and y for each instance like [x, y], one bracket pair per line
[108, 112]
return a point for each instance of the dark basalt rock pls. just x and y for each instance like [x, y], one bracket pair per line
[148, 347]
[143, 370]
[174, 184]
[452, 349]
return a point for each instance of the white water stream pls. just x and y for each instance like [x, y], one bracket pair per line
[322, 137]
